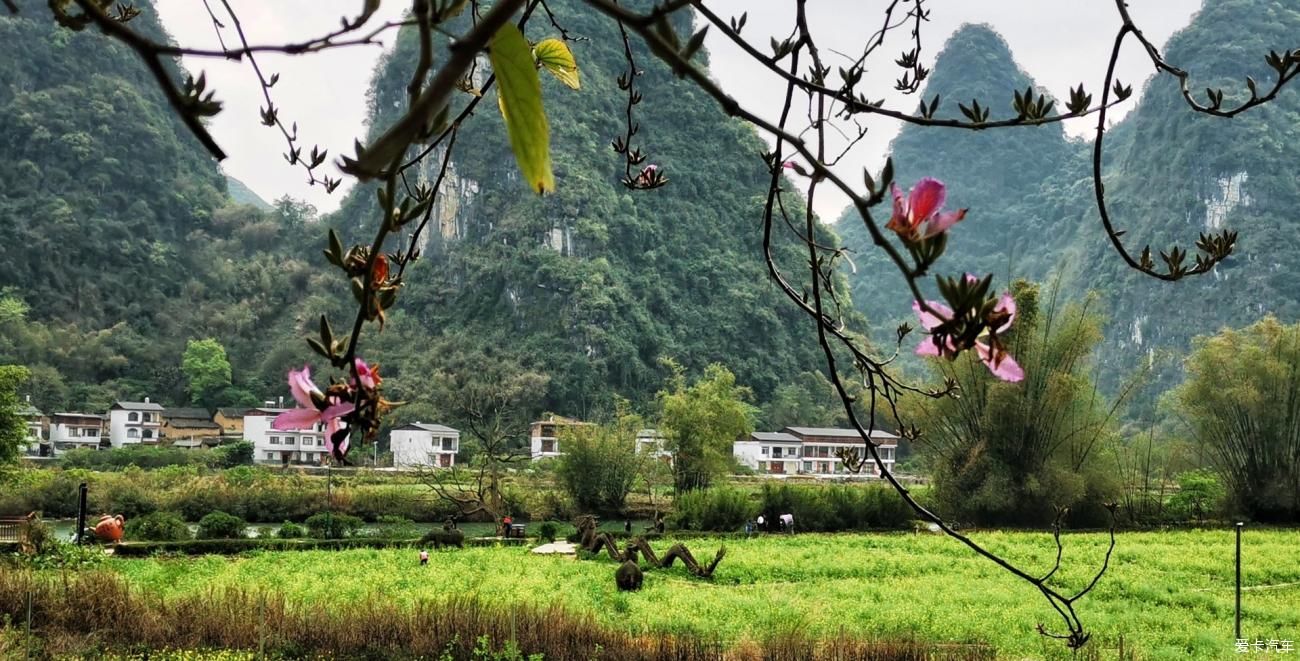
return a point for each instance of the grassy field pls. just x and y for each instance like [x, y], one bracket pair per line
[1169, 595]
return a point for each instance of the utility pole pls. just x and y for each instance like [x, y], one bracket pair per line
[1239, 525]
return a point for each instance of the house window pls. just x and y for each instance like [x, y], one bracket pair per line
[275, 440]
[548, 430]
[133, 433]
[132, 416]
[147, 417]
[764, 450]
[807, 466]
[448, 444]
[548, 446]
[148, 433]
[270, 456]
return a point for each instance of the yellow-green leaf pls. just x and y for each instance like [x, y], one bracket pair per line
[555, 55]
[519, 94]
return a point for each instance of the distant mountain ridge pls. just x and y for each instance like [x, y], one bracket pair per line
[242, 194]
[1170, 174]
[118, 240]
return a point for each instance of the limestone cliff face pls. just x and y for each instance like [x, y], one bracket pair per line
[595, 284]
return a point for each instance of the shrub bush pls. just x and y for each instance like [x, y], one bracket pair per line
[1200, 495]
[158, 527]
[137, 455]
[836, 507]
[235, 454]
[220, 525]
[327, 525]
[721, 509]
[547, 531]
[290, 530]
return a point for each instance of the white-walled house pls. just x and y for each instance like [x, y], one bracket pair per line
[272, 446]
[420, 445]
[769, 452]
[130, 423]
[811, 451]
[69, 431]
[820, 445]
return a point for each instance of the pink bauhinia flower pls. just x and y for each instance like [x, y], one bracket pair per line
[367, 375]
[991, 353]
[922, 207]
[313, 407]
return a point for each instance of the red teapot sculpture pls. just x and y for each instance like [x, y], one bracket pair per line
[109, 528]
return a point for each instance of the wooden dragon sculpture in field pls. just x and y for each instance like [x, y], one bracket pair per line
[629, 574]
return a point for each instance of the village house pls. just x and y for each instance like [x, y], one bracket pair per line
[420, 445]
[544, 436]
[651, 442]
[32, 444]
[821, 445]
[769, 452]
[231, 421]
[190, 427]
[69, 431]
[131, 423]
[272, 446]
[811, 451]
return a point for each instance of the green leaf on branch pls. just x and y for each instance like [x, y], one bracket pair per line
[554, 55]
[520, 98]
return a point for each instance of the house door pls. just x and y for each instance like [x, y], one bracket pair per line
[778, 467]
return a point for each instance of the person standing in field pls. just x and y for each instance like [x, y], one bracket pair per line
[424, 557]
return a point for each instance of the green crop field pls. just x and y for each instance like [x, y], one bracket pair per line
[1169, 595]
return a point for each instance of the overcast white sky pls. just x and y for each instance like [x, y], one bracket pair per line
[1059, 43]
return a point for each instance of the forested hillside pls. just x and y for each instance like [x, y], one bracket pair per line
[118, 242]
[594, 284]
[1170, 175]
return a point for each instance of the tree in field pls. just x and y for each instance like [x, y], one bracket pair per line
[492, 397]
[13, 428]
[207, 372]
[600, 465]
[1015, 453]
[700, 421]
[1242, 401]
[824, 94]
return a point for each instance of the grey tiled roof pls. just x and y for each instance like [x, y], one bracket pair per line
[437, 429]
[774, 437]
[138, 406]
[833, 431]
